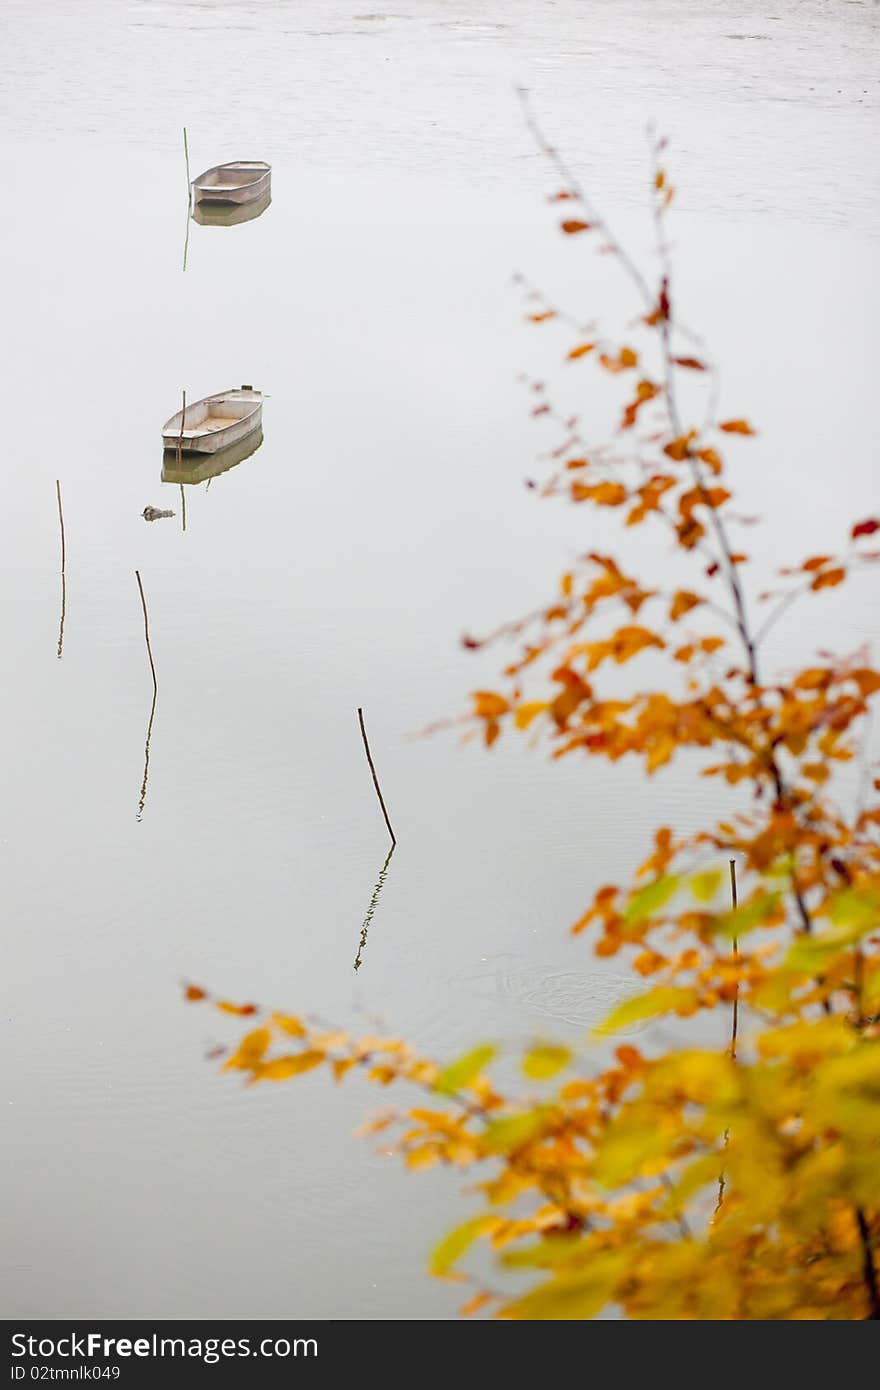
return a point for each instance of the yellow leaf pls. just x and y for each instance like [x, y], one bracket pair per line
[545, 1061]
[458, 1241]
[652, 898]
[280, 1068]
[509, 1133]
[463, 1071]
[573, 1297]
[705, 885]
[288, 1024]
[527, 712]
[665, 999]
[250, 1050]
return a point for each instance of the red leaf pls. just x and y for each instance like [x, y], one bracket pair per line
[693, 362]
[865, 528]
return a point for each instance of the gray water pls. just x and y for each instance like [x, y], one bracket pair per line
[383, 514]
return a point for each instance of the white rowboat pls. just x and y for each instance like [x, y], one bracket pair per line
[243, 181]
[214, 422]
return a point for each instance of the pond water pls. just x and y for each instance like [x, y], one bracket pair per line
[337, 566]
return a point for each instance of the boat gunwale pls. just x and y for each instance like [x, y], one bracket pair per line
[264, 172]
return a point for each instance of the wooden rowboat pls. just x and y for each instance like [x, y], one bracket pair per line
[215, 422]
[242, 181]
[199, 468]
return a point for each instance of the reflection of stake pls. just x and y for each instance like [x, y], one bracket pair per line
[63, 567]
[143, 795]
[375, 778]
[182, 507]
[372, 908]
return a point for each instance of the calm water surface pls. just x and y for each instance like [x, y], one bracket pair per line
[337, 566]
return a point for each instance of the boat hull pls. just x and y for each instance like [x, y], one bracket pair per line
[214, 423]
[233, 184]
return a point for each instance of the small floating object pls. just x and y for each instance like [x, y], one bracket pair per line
[154, 513]
[243, 181]
[200, 468]
[229, 214]
[214, 422]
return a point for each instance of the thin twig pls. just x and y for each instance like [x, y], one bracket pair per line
[182, 507]
[375, 778]
[143, 795]
[186, 157]
[63, 569]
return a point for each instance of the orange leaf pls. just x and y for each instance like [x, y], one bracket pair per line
[867, 680]
[736, 427]
[193, 993]
[682, 602]
[816, 562]
[711, 458]
[625, 359]
[572, 225]
[488, 705]
[693, 363]
[678, 449]
[580, 351]
[543, 317]
[243, 1010]
[474, 1304]
[828, 578]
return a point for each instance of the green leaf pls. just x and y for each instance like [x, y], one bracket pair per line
[705, 885]
[574, 1297]
[740, 920]
[650, 899]
[664, 999]
[502, 1136]
[454, 1245]
[460, 1073]
[857, 910]
[545, 1061]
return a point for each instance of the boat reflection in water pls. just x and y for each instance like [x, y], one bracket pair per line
[229, 214]
[199, 468]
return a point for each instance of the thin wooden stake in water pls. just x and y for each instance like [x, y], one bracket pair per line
[63, 569]
[375, 778]
[143, 796]
[186, 157]
[182, 507]
[188, 198]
